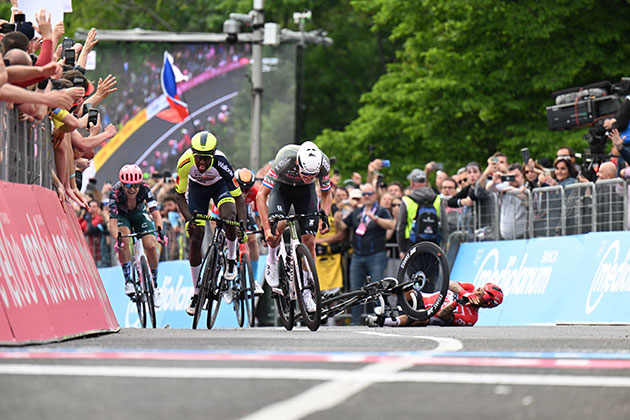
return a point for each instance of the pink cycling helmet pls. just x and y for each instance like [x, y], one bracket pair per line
[131, 174]
[493, 295]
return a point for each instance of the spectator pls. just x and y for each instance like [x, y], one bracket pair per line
[421, 197]
[355, 198]
[513, 202]
[369, 224]
[94, 226]
[566, 152]
[394, 188]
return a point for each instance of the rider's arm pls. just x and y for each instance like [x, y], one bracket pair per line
[241, 212]
[182, 205]
[263, 210]
[155, 214]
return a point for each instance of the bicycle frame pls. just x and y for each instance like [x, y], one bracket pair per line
[288, 257]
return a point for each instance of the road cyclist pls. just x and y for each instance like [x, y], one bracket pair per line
[290, 182]
[203, 174]
[130, 203]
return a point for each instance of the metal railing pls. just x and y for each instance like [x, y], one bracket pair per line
[26, 153]
[578, 208]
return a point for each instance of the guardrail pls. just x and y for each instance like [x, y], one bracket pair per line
[26, 153]
[575, 209]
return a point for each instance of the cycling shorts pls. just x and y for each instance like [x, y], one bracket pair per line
[137, 222]
[199, 197]
[304, 200]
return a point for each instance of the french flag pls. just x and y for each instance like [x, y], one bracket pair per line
[178, 110]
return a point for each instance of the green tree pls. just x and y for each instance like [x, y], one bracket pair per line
[475, 77]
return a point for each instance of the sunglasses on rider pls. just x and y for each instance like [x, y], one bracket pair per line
[130, 186]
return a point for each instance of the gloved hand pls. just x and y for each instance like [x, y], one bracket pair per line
[161, 238]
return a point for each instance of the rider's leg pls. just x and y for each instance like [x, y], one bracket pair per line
[150, 249]
[194, 257]
[124, 255]
[227, 210]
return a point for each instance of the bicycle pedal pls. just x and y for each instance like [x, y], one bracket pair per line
[277, 291]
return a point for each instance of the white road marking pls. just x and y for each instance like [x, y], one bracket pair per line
[377, 373]
[324, 396]
[444, 344]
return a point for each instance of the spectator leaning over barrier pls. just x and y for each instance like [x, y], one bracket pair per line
[369, 224]
[512, 201]
[418, 219]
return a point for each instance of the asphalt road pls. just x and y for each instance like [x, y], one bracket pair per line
[337, 372]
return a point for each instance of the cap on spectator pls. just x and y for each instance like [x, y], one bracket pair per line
[27, 29]
[417, 175]
[355, 193]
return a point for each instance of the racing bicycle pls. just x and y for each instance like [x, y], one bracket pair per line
[423, 269]
[296, 274]
[141, 278]
[211, 283]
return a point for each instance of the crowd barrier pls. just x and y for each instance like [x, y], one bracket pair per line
[49, 286]
[563, 280]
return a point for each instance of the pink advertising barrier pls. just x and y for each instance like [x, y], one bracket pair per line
[50, 288]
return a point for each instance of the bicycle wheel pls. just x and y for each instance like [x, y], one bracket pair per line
[139, 296]
[147, 282]
[205, 275]
[217, 286]
[284, 304]
[306, 280]
[248, 288]
[238, 288]
[424, 268]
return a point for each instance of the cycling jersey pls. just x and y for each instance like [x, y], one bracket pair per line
[118, 200]
[463, 315]
[220, 170]
[284, 170]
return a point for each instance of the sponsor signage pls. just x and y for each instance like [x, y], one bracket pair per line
[572, 279]
[174, 280]
[49, 285]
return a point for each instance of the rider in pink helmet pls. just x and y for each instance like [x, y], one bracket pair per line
[131, 174]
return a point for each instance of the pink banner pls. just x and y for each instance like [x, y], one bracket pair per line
[49, 285]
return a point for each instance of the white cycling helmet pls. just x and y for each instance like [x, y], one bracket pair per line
[309, 159]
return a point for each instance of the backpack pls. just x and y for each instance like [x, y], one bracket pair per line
[426, 224]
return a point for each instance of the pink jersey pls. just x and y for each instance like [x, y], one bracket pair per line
[464, 315]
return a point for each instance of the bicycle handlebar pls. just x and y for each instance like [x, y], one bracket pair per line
[275, 218]
[133, 235]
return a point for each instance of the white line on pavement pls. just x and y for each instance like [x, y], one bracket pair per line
[445, 344]
[370, 374]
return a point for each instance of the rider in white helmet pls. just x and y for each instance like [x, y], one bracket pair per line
[291, 182]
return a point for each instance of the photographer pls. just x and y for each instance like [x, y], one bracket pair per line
[513, 201]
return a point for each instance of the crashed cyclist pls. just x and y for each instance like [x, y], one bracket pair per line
[460, 308]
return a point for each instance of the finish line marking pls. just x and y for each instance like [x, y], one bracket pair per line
[381, 374]
[561, 361]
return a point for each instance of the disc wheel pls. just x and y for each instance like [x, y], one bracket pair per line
[425, 269]
[248, 291]
[284, 304]
[148, 290]
[306, 280]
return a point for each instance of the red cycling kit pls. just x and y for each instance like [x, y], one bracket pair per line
[464, 315]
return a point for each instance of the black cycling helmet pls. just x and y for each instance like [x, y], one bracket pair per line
[245, 178]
